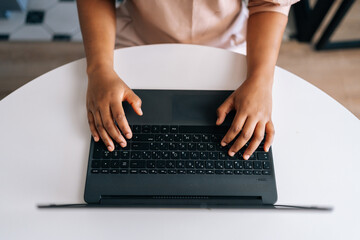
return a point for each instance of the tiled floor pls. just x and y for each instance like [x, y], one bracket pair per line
[43, 20]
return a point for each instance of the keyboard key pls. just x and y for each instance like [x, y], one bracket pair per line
[262, 156]
[257, 172]
[194, 155]
[164, 146]
[205, 138]
[184, 155]
[105, 171]
[124, 163]
[135, 155]
[105, 163]
[146, 155]
[214, 155]
[115, 164]
[199, 164]
[95, 171]
[248, 165]
[190, 171]
[145, 129]
[155, 129]
[140, 146]
[192, 146]
[196, 138]
[97, 154]
[223, 155]
[124, 171]
[143, 171]
[137, 164]
[143, 137]
[238, 165]
[136, 129]
[257, 165]
[164, 129]
[170, 164]
[204, 155]
[165, 155]
[160, 164]
[114, 171]
[174, 129]
[252, 157]
[173, 146]
[211, 147]
[237, 172]
[189, 164]
[266, 165]
[162, 171]
[247, 172]
[209, 164]
[186, 137]
[229, 164]
[156, 155]
[153, 171]
[171, 171]
[266, 172]
[134, 171]
[180, 164]
[175, 155]
[228, 172]
[219, 171]
[182, 146]
[125, 155]
[209, 171]
[181, 171]
[200, 171]
[201, 146]
[150, 164]
[95, 163]
[219, 164]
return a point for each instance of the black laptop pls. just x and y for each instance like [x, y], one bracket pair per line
[175, 159]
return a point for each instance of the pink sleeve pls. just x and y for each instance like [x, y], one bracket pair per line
[280, 6]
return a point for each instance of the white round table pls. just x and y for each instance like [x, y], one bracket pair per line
[45, 142]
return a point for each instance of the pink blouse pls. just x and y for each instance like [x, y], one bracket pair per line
[218, 23]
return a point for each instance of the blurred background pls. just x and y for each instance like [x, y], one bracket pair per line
[321, 44]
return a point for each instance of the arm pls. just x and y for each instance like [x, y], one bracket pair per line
[106, 90]
[253, 99]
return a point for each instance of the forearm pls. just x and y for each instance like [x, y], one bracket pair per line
[98, 27]
[264, 35]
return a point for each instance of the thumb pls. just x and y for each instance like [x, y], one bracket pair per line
[135, 102]
[223, 110]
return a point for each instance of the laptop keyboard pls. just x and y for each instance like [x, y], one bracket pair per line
[164, 149]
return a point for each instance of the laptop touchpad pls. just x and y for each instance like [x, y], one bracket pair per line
[195, 109]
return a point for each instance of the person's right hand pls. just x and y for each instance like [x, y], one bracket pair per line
[105, 94]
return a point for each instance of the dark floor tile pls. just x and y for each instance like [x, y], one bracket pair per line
[61, 37]
[35, 17]
[4, 37]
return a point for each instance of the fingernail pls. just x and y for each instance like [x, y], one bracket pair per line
[109, 148]
[141, 112]
[246, 156]
[223, 144]
[231, 154]
[266, 149]
[96, 139]
[128, 135]
[123, 144]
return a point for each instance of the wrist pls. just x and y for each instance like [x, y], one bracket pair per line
[99, 67]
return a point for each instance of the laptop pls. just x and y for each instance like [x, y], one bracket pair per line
[175, 159]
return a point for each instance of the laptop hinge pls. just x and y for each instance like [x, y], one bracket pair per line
[178, 200]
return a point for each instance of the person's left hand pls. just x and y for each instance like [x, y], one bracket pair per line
[252, 102]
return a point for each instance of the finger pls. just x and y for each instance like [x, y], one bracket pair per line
[234, 130]
[270, 133]
[93, 130]
[134, 101]
[119, 116]
[244, 136]
[110, 127]
[223, 110]
[101, 130]
[256, 139]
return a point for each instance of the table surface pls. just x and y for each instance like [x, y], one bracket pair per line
[45, 142]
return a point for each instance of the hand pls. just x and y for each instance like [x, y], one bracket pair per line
[105, 94]
[252, 102]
